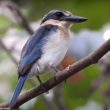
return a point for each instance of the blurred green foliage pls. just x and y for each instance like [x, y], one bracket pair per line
[39, 105]
[4, 24]
[78, 94]
[97, 11]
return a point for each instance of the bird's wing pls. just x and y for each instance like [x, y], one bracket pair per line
[32, 50]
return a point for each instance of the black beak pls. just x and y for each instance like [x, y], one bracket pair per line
[74, 19]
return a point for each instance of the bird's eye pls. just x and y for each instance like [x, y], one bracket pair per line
[59, 14]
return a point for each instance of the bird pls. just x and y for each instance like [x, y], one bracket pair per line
[46, 48]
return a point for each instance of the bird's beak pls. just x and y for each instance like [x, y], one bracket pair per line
[74, 19]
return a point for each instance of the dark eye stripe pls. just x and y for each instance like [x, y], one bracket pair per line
[59, 14]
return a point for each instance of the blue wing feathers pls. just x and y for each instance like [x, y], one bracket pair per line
[36, 39]
[18, 89]
[32, 50]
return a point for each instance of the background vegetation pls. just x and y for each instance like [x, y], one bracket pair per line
[77, 96]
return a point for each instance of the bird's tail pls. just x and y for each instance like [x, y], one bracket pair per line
[18, 89]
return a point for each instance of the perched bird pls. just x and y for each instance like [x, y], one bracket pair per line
[46, 48]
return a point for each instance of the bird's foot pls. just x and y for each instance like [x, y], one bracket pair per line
[39, 80]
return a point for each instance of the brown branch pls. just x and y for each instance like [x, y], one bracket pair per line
[49, 103]
[63, 75]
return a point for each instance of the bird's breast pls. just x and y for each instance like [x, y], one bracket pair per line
[54, 50]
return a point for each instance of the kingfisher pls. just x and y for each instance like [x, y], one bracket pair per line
[46, 48]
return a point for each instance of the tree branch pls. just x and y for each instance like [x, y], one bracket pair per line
[63, 75]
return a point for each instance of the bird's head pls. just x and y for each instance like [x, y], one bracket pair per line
[64, 17]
